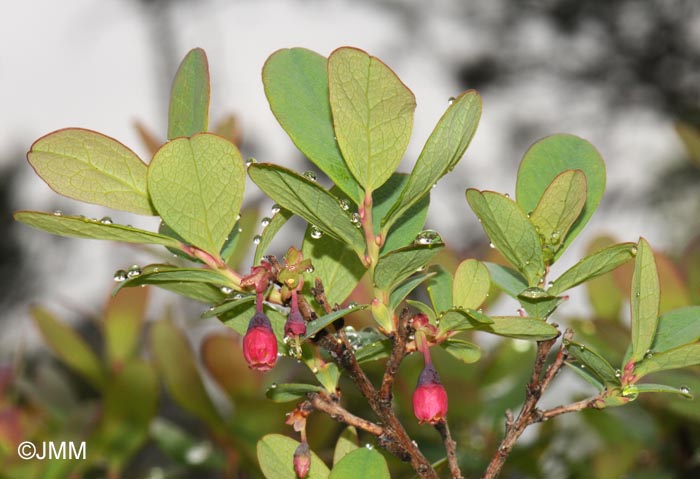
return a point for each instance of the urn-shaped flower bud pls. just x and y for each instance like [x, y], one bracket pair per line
[430, 397]
[260, 344]
[302, 460]
[295, 324]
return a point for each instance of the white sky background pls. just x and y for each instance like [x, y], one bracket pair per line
[92, 64]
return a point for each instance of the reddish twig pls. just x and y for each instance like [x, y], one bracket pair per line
[450, 448]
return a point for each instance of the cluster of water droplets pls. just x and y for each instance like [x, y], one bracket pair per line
[122, 275]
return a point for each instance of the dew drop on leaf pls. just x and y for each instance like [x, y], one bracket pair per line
[648, 354]
[257, 239]
[134, 271]
[451, 100]
[120, 275]
[275, 209]
[58, 213]
[310, 175]
[684, 390]
[428, 237]
[106, 220]
[633, 251]
[618, 373]
[226, 290]
[264, 222]
[344, 204]
[355, 219]
[250, 161]
[491, 245]
[315, 232]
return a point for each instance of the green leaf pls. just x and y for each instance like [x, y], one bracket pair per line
[238, 241]
[510, 231]
[313, 327]
[540, 308]
[347, 442]
[592, 266]
[79, 227]
[196, 185]
[372, 115]
[663, 388]
[362, 462]
[677, 327]
[462, 350]
[91, 167]
[373, 351]
[507, 279]
[423, 308]
[645, 301]
[404, 230]
[123, 324]
[189, 97]
[603, 292]
[159, 274]
[290, 392]
[296, 86]
[680, 357]
[70, 347]
[405, 288]
[519, 328]
[594, 363]
[397, 265]
[276, 223]
[444, 148]
[557, 211]
[276, 453]
[471, 284]
[440, 289]
[307, 199]
[335, 264]
[202, 292]
[549, 157]
[586, 375]
[228, 305]
[458, 319]
[176, 363]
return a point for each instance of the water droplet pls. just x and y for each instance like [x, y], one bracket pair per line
[275, 209]
[684, 389]
[633, 251]
[550, 284]
[369, 446]
[506, 195]
[106, 220]
[58, 213]
[257, 239]
[451, 100]
[198, 453]
[310, 175]
[310, 269]
[648, 354]
[428, 237]
[618, 373]
[491, 245]
[226, 290]
[237, 296]
[315, 370]
[315, 232]
[240, 230]
[356, 220]
[273, 386]
[344, 204]
[250, 161]
[582, 347]
[134, 271]
[555, 237]
[264, 222]
[352, 305]
[583, 366]
[120, 275]
[434, 185]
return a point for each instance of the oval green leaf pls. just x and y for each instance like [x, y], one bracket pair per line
[677, 327]
[276, 453]
[397, 265]
[443, 150]
[510, 230]
[680, 357]
[557, 211]
[290, 391]
[551, 156]
[347, 442]
[372, 115]
[362, 462]
[594, 363]
[189, 98]
[519, 328]
[91, 167]
[80, 227]
[645, 301]
[592, 266]
[471, 284]
[307, 199]
[296, 86]
[196, 185]
[462, 350]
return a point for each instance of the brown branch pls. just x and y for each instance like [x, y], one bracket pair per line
[529, 414]
[398, 352]
[324, 403]
[450, 448]
[589, 403]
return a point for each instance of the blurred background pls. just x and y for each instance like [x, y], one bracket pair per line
[625, 75]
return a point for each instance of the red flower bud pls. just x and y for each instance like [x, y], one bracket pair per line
[260, 344]
[302, 460]
[430, 397]
[295, 324]
[419, 321]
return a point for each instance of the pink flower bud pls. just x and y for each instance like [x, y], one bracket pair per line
[302, 460]
[430, 397]
[295, 324]
[420, 320]
[260, 344]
